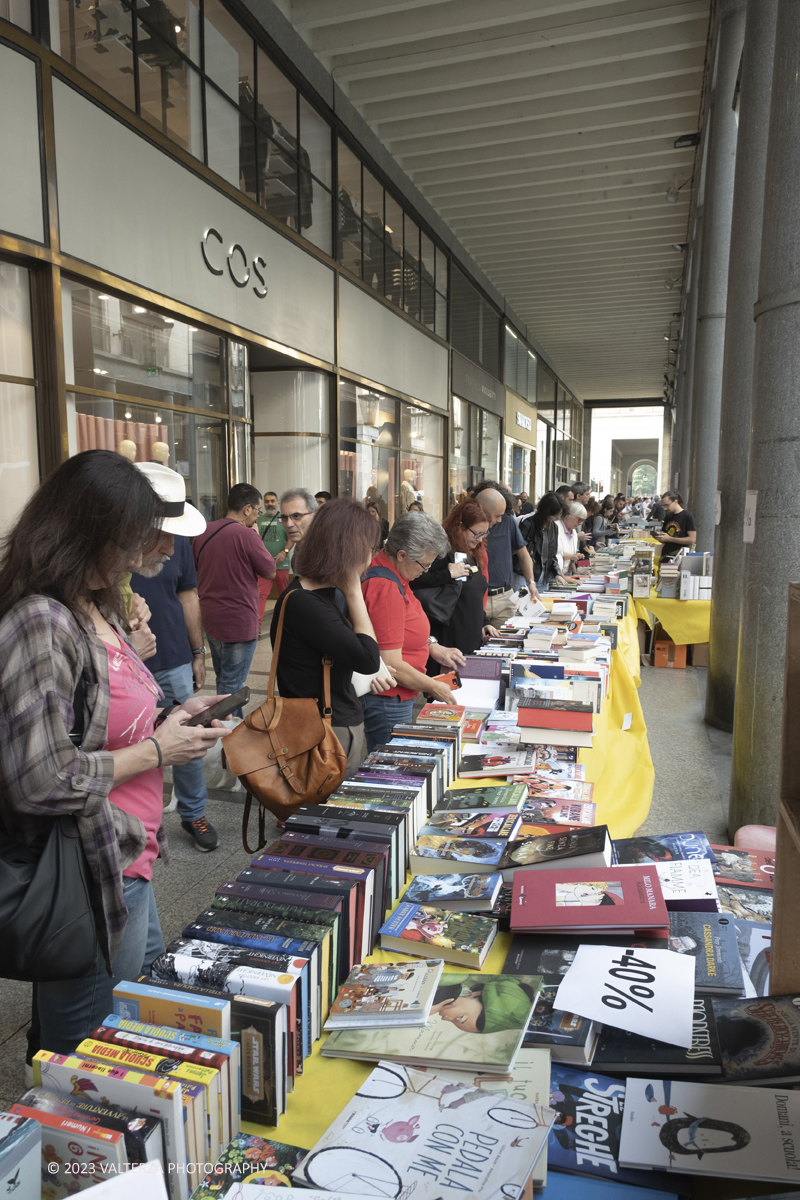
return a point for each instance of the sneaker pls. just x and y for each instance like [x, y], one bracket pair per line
[203, 833]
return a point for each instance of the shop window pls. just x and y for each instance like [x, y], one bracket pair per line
[474, 325]
[170, 92]
[291, 424]
[229, 55]
[99, 43]
[518, 467]
[545, 393]
[19, 453]
[18, 12]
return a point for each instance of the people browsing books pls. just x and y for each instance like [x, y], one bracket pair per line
[540, 531]
[401, 626]
[334, 553]
[679, 530]
[568, 544]
[62, 625]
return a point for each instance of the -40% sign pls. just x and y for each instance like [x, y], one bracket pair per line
[649, 992]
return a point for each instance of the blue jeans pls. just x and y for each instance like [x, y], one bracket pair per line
[231, 662]
[70, 1009]
[381, 714]
[188, 781]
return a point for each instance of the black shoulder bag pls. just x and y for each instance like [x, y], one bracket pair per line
[46, 915]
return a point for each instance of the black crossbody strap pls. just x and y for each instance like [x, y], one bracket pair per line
[214, 534]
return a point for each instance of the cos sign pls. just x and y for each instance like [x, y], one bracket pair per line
[240, 268]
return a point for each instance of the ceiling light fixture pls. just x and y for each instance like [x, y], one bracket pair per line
[103, 296]
[138, 309]
[158, 420]
[127, 416]
[177, 28]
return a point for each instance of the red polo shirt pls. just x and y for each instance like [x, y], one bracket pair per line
[399, 621]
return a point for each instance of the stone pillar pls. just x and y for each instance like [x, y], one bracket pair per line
[773, 559]
[667, 438]
[683, 464]
[737, 373]
[713, 290]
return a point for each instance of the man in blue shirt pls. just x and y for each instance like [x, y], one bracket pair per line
[503, 542]
[179, 664]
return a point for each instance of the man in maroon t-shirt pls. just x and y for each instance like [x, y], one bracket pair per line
[229, 558]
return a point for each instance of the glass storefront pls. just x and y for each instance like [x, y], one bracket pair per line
[474, 448]
[167, 390]
[390, 451]
[518, 467]
[291, 430]
[19, 453]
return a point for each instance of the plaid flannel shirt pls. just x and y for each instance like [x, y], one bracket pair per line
[43, 651]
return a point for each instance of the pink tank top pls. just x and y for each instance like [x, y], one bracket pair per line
[134, 696]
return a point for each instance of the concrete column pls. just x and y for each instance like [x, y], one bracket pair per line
[773, 559]
[683, 464]
[737, 372]
[665, 481]
[713, 291]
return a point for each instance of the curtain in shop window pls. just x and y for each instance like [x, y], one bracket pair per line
[101, 433]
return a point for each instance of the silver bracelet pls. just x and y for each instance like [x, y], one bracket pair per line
[158, 749]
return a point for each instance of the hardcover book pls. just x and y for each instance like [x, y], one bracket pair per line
[437, 855]
[759, 1039]
[703, 1129]
[745, 868]
[710, 938]
[383, 994]
[477, 1022]
[519, 762]
[629, 1054]
[407, 1129]
[538, 713]
[688, 885]
[144, 1141]
[577, 899]
[583, 847]
[457, 937]
[665, 848]
[470, 893]
[82, 1154]
[468, 825]
[508, 797]
[442, 714]
[250, 1158]
[20, 1156]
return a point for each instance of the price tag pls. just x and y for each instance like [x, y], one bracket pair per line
[649, 992]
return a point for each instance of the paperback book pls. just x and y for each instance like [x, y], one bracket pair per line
[407, 1129]
[665, 848]
[250, 1159]
[517, 762]
[477, 1022]
[745, 868]
[630, 1054]
[710, 939]
[458, 937]
[746, 903]
[438, 855]
[144, 1141]
[442, 714]
[688, 885]
[20, 1156]
[759, 1039]
[78, 1154]
[470, 893]
[754, 941]
[468, 825]
[379, 995]
[504, 798]
[581, 847]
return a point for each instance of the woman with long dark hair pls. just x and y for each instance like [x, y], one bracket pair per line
[463, 570]
[540, 531]
[62, 624]
[333, 555]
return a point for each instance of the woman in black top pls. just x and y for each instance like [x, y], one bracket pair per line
[541, 537]
[334, 553]
[466, 628]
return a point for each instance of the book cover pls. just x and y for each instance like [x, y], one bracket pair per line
[664, 848]
[442, 714]
[410, 1130]
[144, 1141]
[249, 1158]
[20, 1156]
[688, 885]
[592, 1148]
[508, 797]
[710, 938]
[323, 935]
[457, 937]
[759, 1038]
[703, 1129]
[537, 810]
[472, 728]
[457, 824]
[548, 792]
[746, 903]
[631, 1054]
[140, 1001]
[477, 1022]
[126, 1088]
[755, 940]
[386, 993]
[445, 891]
[538, 713]
[544, 853]
[78, 1154]
[745, 868]
[521, 762]
[435, 855]
[587, 898]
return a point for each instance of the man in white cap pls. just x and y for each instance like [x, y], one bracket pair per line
[168, 583]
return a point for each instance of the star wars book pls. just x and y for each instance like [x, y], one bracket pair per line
[379, 995]
[250, 1159]
[745, 868]
[706, 1129]
[409, 1129]
[759, 1039]
[467, 893]
[630, 1054]
[477, 1022]
[461, 938]
[710, 938]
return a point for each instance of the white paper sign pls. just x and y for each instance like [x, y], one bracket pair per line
[649, 992]
[750, 516]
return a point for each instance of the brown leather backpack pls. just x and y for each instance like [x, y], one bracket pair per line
[284, 752]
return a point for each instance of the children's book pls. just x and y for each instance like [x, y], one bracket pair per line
[407, 1129]
[140, 1001]
[77, 1153]
[265, 1163]
[470, 893]
[707, 1129]
[457, 937]
[664, 848]
[144, 1141]
[477, 1022]
[383, 994]
[442, 714]
[588, 899]
[745, 868]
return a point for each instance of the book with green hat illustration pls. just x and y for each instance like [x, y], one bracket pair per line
[476, 1021]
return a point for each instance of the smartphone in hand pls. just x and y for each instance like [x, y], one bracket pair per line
[218, 712]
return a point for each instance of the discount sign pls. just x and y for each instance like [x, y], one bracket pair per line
[649, 992]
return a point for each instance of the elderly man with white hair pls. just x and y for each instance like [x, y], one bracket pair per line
[568, 545]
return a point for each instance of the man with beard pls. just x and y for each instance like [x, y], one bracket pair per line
[168, 583]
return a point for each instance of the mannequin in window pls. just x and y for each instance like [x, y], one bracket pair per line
[408, 492]
[127, 449]
[160, 453]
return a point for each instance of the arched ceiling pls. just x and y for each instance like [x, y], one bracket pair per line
[543, 133]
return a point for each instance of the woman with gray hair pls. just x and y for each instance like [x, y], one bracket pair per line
[402, 630]
[568, 548]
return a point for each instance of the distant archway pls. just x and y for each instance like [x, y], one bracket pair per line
[643, 478]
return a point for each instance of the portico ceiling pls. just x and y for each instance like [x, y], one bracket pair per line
[542, 131]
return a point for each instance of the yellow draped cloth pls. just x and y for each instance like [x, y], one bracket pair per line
[686, 621]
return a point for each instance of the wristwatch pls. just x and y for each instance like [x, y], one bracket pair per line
[199, 650]
[433, 641]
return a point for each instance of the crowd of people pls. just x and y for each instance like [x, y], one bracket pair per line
[110, 585]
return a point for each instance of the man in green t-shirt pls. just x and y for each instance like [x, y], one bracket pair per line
[273, 534]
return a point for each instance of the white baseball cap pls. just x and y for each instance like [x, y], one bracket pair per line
[181, 517]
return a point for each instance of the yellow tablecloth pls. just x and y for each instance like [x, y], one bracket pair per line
[686, 621]
[619, 765]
